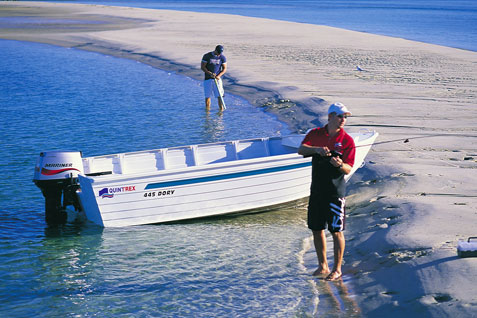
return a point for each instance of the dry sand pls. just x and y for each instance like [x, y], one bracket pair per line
[412, 202]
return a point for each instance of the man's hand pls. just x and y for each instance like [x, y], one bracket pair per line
[336, 162]
[323, 151]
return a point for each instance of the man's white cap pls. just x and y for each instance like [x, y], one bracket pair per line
[339, 109]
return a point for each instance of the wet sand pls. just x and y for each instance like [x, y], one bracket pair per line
[411, 203]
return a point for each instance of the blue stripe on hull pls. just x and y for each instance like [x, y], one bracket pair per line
[225, 176]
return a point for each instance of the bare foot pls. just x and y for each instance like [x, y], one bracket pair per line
[321, 271]
[334, 275]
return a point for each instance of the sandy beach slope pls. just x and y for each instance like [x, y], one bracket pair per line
[412, 202]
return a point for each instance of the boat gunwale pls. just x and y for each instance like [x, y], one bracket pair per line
[186, 146]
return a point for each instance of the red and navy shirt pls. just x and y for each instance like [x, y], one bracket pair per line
[328, 180]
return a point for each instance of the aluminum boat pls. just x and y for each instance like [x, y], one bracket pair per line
[179, 183]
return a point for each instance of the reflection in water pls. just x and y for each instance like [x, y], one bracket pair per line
[48, 272]
[213, 126]
[335, 296]
[330, 299]
[211, 267]
[223, 266]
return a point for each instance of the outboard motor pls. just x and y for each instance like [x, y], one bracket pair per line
[56, 174]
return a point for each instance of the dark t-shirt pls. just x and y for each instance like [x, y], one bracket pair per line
[214, 63]
[327, 180]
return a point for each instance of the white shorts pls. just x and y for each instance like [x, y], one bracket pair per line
[210, 88]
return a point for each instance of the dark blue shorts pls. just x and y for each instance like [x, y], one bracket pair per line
[323, 213]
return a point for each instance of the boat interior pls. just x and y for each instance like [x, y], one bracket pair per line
[188, 156]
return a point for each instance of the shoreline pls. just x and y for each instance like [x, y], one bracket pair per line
[415, 201]
[268, 99]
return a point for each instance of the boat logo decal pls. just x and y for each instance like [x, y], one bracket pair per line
[110, 192]
[50, 172]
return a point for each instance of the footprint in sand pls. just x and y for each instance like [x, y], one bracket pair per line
[405, 255]
[435, 299]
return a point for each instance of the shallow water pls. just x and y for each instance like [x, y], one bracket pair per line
[230, 267]
[247, 266]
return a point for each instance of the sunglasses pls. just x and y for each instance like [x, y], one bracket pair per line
[342, 116]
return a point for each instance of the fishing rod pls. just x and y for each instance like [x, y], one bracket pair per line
[334, 153]
[406, 140]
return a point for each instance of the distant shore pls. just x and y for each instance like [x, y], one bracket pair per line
[413, 201]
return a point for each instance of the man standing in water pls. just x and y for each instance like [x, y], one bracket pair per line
[214, 65]
[333, 152]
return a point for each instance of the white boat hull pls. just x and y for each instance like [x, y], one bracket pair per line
[198, 181]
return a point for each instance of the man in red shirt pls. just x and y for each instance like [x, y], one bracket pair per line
[333, 152]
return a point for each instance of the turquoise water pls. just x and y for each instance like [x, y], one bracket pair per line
[229, 267]
[449, 23]
[55, 98]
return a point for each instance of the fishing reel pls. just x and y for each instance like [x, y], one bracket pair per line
[335, 153]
